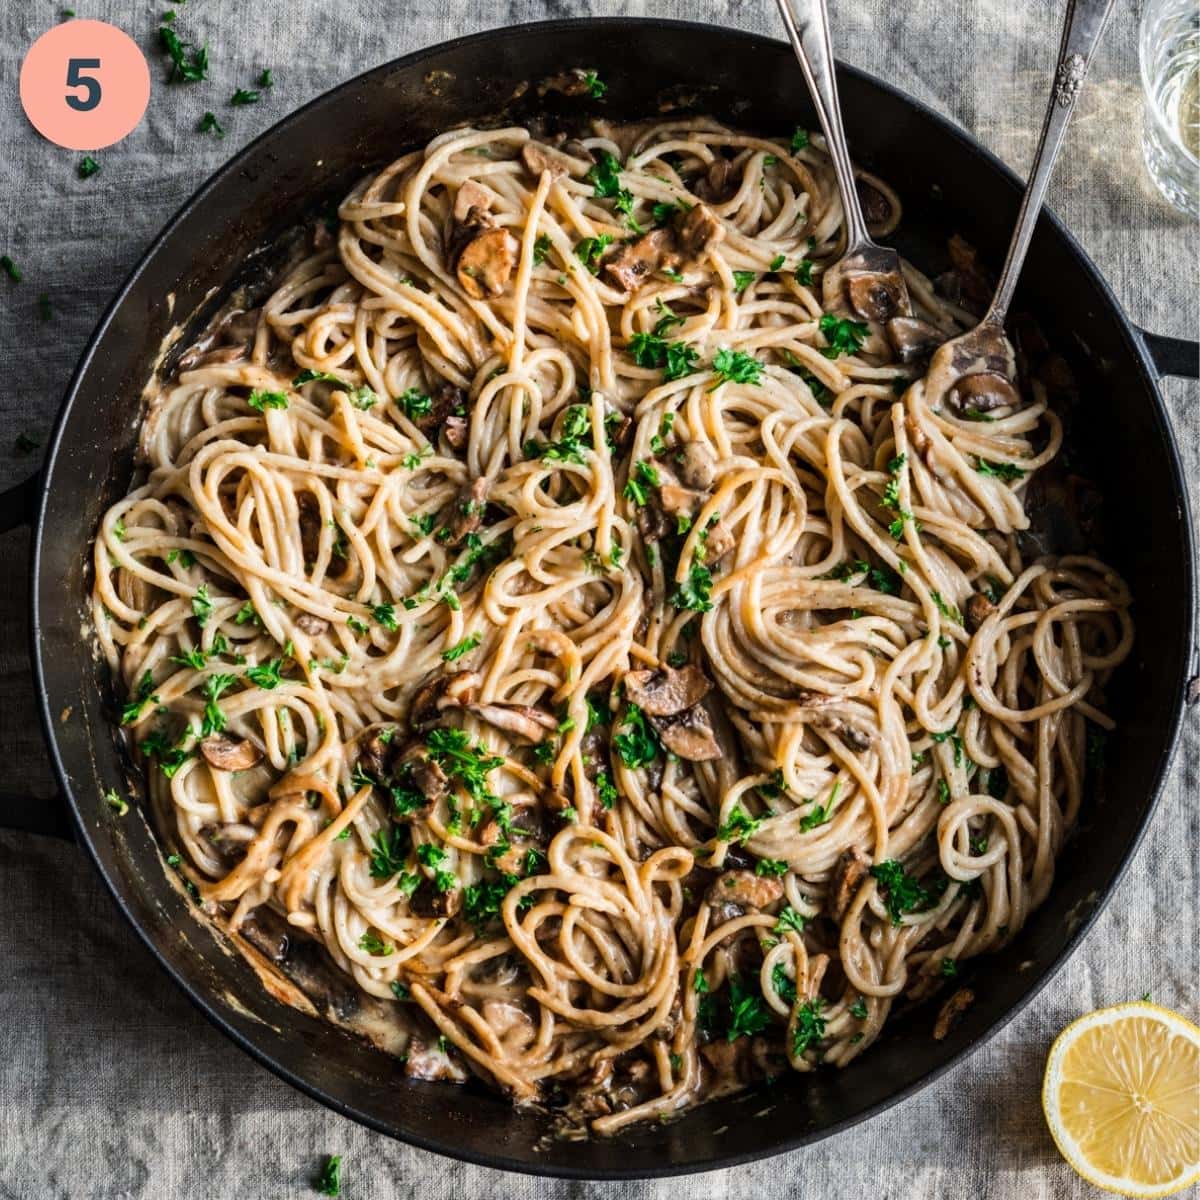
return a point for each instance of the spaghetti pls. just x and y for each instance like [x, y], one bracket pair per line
[546, 606]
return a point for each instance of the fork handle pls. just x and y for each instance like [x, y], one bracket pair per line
[807, 23]
[1082, 29]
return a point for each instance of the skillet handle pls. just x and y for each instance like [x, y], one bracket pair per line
[29, 814]
[1171, 355]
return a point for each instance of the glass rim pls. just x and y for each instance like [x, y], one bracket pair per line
[1152, 106]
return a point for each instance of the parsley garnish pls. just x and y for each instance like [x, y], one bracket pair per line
[783, 983]
[799, 139]
[214, 687]
[541, 248]
[210, 124]
[790, 919]
[770, 866]
[385, 615]
[10, 268]
[735, 366]
[748, 1013]
[901, 892]
[636, 743]
[595, 85]
[843, 335]
[201, 605]
[460, 648]
[374, 945]
[415, 403]
[308, 375]
[389, 850]
[263, 400]
[803, 272]
[330, 1182]
[949, 611]
[739, 826]
[244, 96]
[266, 675]
[1008, 472]
[265, 80]
[859, 1009]
[590, 249]
[742, 280]
[695, 592]
[810, 1025]
[88, 167]
[116, 802]
[189, 64]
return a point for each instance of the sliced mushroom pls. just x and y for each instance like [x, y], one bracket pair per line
[230, 753]
[309, 523]
[848, 873]
[680, 501]
[745, 889]
[668, 690]
[697, 231]
[879, 296]
[689, 734]
[876, 208]
[466, 515]
[974, 285]
[696, 464]
[574, 82]
[427, 778]
[429, 901]
[715, 184]
[855, 738]
[457, 431]
[503, 854]
[538, 158]
[525, 721]
[976, 610]
[654, 524]
[313, 626]
[718, 542]
[471, 195]
[445, 400]
[562, 810]
[439, 693]
[982, 392]
[428, 1062]
[913, 339]
[375, 756]
[951, 1012]
[637, 261]
[485, 264]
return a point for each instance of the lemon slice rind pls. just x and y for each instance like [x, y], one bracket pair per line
[1067, 1145]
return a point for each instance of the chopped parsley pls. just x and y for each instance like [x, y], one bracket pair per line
[799, 139]
[859, 1009]
[210, 124]
[385, 615]
[843, 335]
[266, 675]
[742, 280]
[778, 261]
[389, 851]
[589, 249]
[901, 892]
[790, 919]
[88, 167]
[810, 1026]
[739, 826]
[596, 86]
[265, 80]
[261, 400]
[244, 96]
[695, 592]
[769, 867]
[606, 790]
[948, 969]
[201, 605]
[1006, 471]
[949, 611]
[783, 983]
[735, 366]
[460, 648]
[803, 272]
[636, 743]
[330, 1181]
[748, 1012]
[116, 802]
[374, 945]
[308, 375]
[189, 63]
[541, 248]
[575, 428]
[10, 268]
[214, 687]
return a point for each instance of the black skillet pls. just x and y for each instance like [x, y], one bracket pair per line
[948, 183]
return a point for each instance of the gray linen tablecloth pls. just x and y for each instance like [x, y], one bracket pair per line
[110, 1084]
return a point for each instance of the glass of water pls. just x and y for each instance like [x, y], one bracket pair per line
[1169, 50]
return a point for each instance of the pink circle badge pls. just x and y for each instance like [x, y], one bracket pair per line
[84, 85]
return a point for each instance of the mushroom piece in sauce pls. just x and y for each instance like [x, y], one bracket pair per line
[913, 339]
[229, 753]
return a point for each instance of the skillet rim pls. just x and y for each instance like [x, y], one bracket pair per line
[209, 1005]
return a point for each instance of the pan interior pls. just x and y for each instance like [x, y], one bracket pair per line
[223, 240]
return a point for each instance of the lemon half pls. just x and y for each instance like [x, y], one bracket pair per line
[1122, 1099]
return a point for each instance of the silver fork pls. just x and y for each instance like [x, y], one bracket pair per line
[974, 372]
[867, 279]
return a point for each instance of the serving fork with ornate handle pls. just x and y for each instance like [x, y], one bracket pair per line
[867, 279]
[973, 374]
